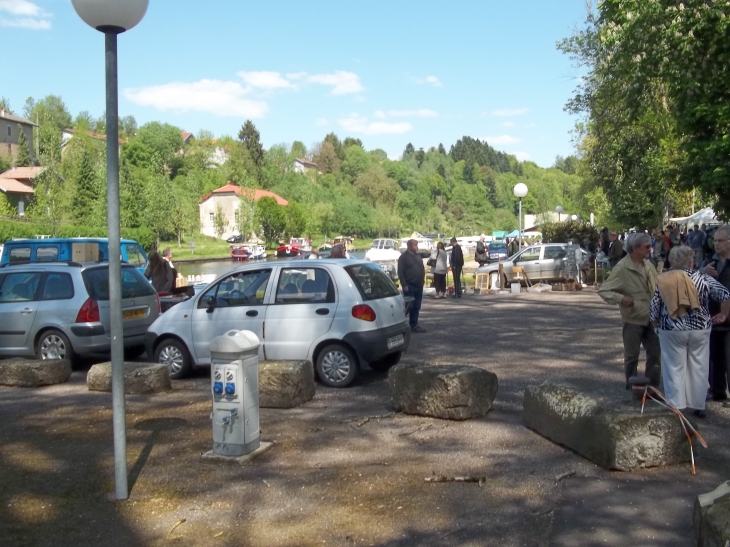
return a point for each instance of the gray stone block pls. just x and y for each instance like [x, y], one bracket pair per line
[139, 378]
[21, 372]
[451, 392]
[712, 517]
[601, 427]
[285, 384]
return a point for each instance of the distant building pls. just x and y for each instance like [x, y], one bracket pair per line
[186, 137]
[68, 134]
[17, 185]
[10, 133]
[228, 198]
[302, 166]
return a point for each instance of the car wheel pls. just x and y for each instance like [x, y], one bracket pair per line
[336, 366]
[494, 280]
[53, 344]
[382, 365]
[174, 354]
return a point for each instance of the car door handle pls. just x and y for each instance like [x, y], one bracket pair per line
[252, 313]
[26, 311]
[322, 311]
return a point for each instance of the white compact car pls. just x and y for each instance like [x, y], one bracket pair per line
[338, 314]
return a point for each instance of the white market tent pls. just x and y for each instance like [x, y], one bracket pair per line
[703, 216]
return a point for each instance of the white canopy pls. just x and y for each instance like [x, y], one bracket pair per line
[703, 216]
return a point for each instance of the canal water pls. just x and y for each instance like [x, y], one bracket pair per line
[219, 267]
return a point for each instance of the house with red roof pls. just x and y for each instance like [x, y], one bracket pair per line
[228, 198]
[17, 185]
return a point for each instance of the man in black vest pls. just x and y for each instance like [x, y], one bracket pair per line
[411, 274]
[457, 263]
[719, 267]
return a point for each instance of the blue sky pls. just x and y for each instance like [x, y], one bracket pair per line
[387, 72]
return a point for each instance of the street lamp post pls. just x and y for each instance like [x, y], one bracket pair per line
[520, 191]
[112, 18]
[559, 209]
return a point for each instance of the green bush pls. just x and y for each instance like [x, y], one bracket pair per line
[561, 232]
[14, 229]
[10, 229]
[143, 236]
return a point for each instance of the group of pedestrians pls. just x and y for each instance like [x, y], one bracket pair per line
[680, 316]
[412, 274]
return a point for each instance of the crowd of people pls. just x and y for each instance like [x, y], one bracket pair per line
[672, 291]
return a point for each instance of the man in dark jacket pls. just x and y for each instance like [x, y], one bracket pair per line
[457, 263]
[411, 274]
[719, 268]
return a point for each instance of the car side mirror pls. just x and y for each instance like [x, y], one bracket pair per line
[210, 303]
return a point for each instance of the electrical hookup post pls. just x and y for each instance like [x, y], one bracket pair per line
[234, 386]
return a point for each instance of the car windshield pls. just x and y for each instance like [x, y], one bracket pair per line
[497, 248]
[371, 281]
[134, 284]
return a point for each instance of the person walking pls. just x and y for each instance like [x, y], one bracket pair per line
[481, 256]
[457, 263]
[696, 240]
[411, 274]
[718, 267]
[659, 251]
[439, 268]
[631, 285]
[615, 250]
[680, 308]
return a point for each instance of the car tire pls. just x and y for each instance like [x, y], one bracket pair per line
[494, 282]
[174, 354]
[53, 344]
[336, 366]
[384, 364]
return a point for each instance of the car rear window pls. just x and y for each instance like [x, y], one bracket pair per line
[497, 248]
[19, 255]
[371, 281]
[134, 284]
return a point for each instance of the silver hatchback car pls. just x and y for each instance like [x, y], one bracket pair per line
[61, 310]
[338, 314]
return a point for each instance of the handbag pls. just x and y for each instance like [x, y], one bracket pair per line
[431, 262]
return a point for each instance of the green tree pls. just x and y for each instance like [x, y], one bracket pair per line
[250, 138]
[6, 209]
[163, 143]
[336, 145]
[327, 159]
[246, 217]
[131, 196]
[159, 202]
[23, 158]
[49, 201]
[85, 187]
[296, 220]
[376, 188]
[53, 118]
[272, 219]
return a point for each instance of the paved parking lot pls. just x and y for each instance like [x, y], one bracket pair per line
[344, 470]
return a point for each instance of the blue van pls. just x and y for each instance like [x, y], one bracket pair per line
[76, 249]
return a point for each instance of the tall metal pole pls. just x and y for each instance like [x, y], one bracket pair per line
[519, 235]
[115, 266]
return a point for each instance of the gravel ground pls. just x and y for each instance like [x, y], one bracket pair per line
[344, 470]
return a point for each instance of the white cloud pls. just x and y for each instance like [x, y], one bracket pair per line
[380, 114]
[265, 80]
[342, 82]
[213, 96]
[24, 14]
[429, 80]
[321, 122]
[510, 112]
[508, 124]
[420, 113]
[356, 123]
[521, 156]
[501, 139]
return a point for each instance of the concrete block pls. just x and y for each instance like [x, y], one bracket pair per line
[139, 378]
[712, 518]
[609, 431]
[20, 372]
[285, 384]
[451, 392]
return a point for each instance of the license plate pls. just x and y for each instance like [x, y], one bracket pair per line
[133, 314]
[394, 341]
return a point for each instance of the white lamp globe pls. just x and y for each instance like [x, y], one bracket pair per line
[104, 15]
[559, 209]
[574, 217]
[520, 189]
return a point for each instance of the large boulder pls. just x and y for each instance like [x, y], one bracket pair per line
[33, 372]
[139, 378]
[451, 392]
[609, 431]
[712, 517]
[285, 384]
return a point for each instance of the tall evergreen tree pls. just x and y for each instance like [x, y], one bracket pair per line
[23, 159]
[251, 140]
[85, 187]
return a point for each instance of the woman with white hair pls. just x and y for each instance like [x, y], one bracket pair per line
[680, 310]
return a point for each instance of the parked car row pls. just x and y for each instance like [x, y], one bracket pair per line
[340, 315]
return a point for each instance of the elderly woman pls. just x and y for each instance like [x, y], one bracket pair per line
[680, 309]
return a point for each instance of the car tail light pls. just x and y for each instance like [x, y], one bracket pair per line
[364, 312]
[89, 312]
